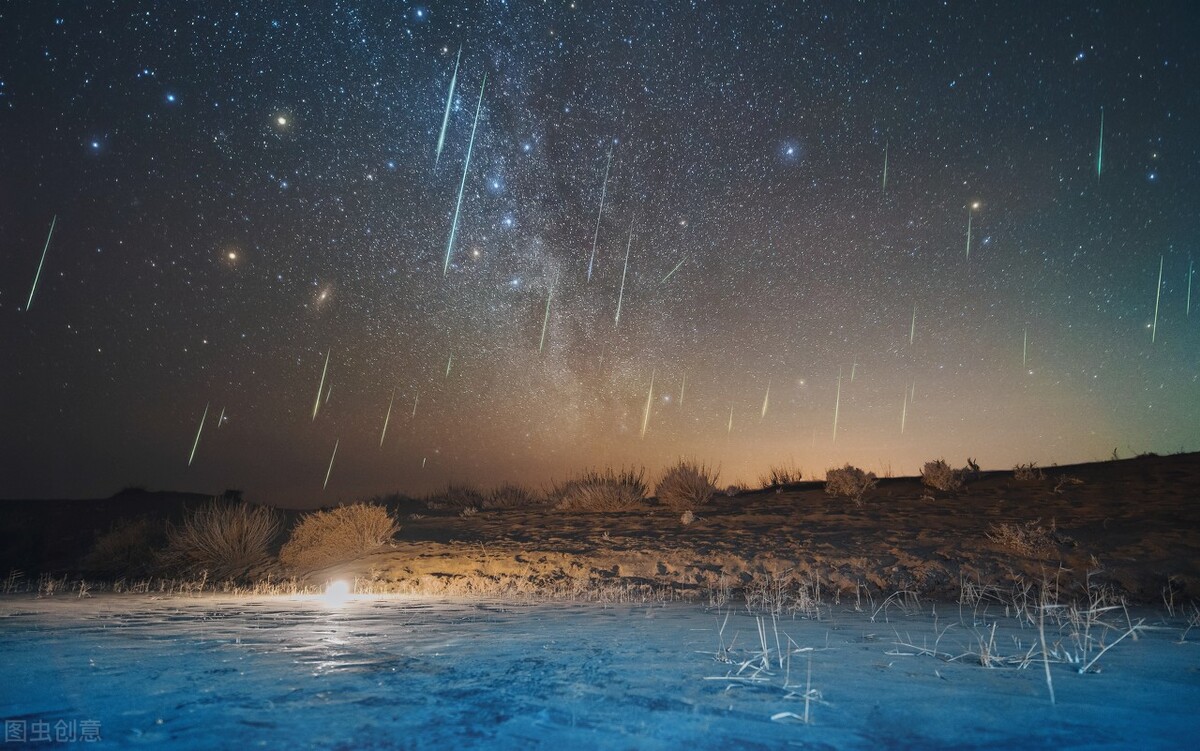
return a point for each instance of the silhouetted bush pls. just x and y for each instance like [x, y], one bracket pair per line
[941, 476]
[222, 539]
[128, 549]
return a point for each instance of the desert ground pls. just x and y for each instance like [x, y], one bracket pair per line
[1046, 608]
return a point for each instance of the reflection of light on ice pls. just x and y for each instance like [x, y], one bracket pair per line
[337, 592]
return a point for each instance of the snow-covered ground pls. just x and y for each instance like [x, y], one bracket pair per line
[206, 672]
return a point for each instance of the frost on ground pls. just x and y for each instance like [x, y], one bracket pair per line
[406, 672]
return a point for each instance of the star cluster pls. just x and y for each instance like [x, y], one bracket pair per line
[909, 223]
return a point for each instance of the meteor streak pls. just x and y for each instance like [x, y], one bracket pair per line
[463, 184]
[621, 295]
[387, 417]
[546, 318]
[1100, 148]
[221, 419]
[1157, 297]
[1025, 348]
[38, 275]
[321, 386]
[198, 432]
[682, 388]
[416, 399]
[837, 406]
[600, 213]
[904, 412]
[1189, 289]
[449, 362]
[729, 428]
[672, 271]
[766, 401]
[912, 331]
[446, 117]
[885, 160]
[331, 458]
[649, 399]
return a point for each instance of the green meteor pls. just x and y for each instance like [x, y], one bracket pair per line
[321, 386]
[463, 184]
[38, 275]
[446, 117]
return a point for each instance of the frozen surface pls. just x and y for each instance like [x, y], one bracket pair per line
[424, 674]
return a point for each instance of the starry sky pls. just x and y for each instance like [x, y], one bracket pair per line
[817, 233]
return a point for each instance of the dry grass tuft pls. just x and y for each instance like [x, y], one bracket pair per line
[849, 482]
[510, 496]
[323, 538]
[1030, 539]
[686, 486]
[601, 491]
[455, 498]
[941, 476]
[221, 540]
[780, 476]
[1028, 472]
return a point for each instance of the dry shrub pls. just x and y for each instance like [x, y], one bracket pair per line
[686, 486]
[509, 496]
[455, 498]
[940, 476]
[601, 491]
[849, 482]
[339, 534]
[222, 539]
[1030, 539]
[127, 549]
[1027, 472]
[778, 477]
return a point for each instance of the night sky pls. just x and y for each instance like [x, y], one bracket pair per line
[241, 190]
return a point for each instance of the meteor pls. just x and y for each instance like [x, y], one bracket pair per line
[1100, 148]
[446, 117]
[672, 271]
[416, 399]
[1157, 297]
[912, 331]
[729, 428]
[38, 275]
[621, 295]
[682, 388]
[221, 419]
[649, 399]
[766, 400]
[1189, 289]
[1025, 348]
[600, 213]
[904, 412]
[546, 318]
[331, 458]
[198, 432]
[837, 406]
[885, 160]
[321, 386]
[387, 417]
[853, 367]
[449, 362]
[463, 184]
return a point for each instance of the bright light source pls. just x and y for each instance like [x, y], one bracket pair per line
[337, 592]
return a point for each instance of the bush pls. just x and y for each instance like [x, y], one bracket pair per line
[322, 538]
[509, 496]
[939, 476]
[686, 486]
[222, 539]
[127, 549]
[849, 482]
[778, 477]
[1028, 472]
[455, 498]
[601, 491]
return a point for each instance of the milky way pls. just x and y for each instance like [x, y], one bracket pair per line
[825, 206]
